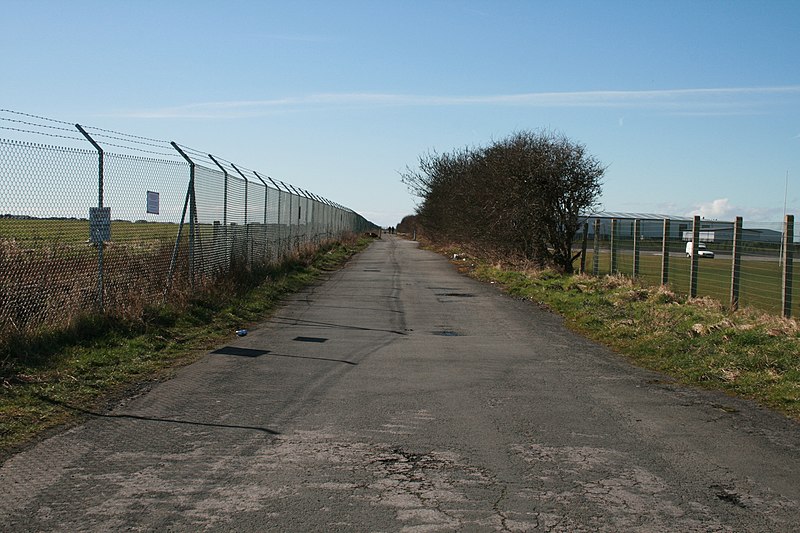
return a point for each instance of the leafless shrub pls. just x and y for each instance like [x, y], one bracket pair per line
[520, 196]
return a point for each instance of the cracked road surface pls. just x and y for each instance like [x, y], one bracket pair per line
[398, 395]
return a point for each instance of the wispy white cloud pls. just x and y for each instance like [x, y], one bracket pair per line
[731, 100]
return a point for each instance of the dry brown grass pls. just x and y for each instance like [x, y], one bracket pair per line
[51, 286]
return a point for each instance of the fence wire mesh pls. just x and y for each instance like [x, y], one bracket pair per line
[614, 247]
[107, 221]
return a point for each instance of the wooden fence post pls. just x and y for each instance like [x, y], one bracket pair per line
[665, 253]
[736, 267]
[584, 241]
[596, 256]
[788, 264]
[614, 244]
[695, 258]
[637, 231]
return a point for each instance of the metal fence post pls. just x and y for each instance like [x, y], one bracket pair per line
[736, 266]
[313, 215]
[266, 190]
[226, 242]
[309, 216]
[289, 222]
[278, 220]
[788, 264]
[596, 254]
[186, 203]
[584, 241]
[695, 259]
[665, 253]
[326, 219]
[331, 214]
[226, 253]
[248, 245]
[302, 208]
[308, 208]
[323, 213]
[193, 234]
[92, 220]
[637, 230]
[614, 244]
[297, 237]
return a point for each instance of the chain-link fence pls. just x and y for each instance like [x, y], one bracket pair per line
[96, 220]
[737, 263]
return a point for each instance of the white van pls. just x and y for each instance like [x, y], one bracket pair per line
[702, 251]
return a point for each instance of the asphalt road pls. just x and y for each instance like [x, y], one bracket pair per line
[400, 396]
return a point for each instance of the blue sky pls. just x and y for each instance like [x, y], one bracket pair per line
[694, 106]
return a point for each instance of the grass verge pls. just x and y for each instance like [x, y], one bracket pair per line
[50, 380]
[697, 341]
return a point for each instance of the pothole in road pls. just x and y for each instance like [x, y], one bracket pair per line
[447, 333]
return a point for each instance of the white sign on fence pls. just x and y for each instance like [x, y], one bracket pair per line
[99, 224]
[152, 203]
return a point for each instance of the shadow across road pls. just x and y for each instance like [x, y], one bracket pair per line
[94, 414]
[314, 358]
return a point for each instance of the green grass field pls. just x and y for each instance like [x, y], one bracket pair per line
[760, 284]
[35, 233]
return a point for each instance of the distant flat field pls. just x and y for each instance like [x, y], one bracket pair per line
[27, 232]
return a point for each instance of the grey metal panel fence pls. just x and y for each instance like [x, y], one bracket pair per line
[99, 220]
